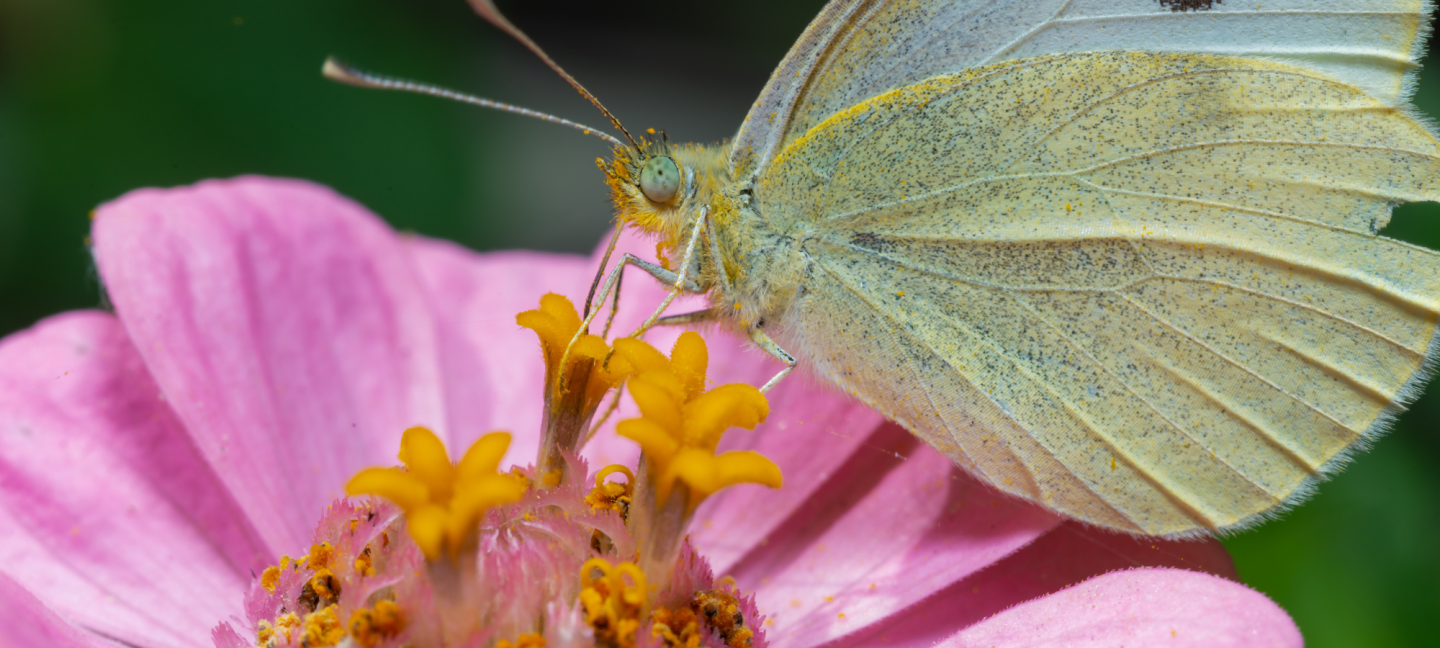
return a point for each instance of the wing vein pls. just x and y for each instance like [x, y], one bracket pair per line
[1226, 207]
[1087, 108]
[1149, 405]
[910, 363]
[1093, 430]
[1375, 393]
[1219, 143]
[855, 213]
[1042, 26]
[1232, 362]
[1285, 300]
[1210, 395]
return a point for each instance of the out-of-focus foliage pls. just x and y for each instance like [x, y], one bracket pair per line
[98, 97]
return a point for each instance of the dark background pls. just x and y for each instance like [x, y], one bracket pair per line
[98, 97]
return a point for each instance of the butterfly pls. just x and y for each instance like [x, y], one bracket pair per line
[1122, 259]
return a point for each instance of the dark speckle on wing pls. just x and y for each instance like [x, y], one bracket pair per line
[870, 242]
[1189, 5]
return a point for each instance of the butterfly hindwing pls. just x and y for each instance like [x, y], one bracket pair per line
[1144, 289]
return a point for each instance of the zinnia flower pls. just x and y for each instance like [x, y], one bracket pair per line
[271, 340]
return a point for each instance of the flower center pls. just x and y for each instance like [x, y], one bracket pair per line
[310, 596]
[442, 553]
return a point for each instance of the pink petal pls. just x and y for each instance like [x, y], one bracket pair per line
[493, 369]
[1068, 554]
[812, 430]
[25, 621]
[895, 524]
[112, 515]
[285, 326]
[1141, 607]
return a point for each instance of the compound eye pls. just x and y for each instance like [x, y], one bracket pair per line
[660, 179]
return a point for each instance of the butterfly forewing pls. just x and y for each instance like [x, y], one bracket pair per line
[1144, 289]
[856, 50]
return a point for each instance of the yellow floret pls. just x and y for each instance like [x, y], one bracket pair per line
[443, 502]
[681, 423]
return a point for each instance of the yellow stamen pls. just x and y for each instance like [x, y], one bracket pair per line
[319, 556]
[612, 496]
[613, 607]
[443, 502]
[556, 322]
[322, 629]
[284, 624]
[365, 563]
[371, 626]
[270, 578]
[718, 610]
[677, 628]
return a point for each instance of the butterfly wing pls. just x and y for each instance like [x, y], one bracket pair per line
[859, 49]
[1146, 290]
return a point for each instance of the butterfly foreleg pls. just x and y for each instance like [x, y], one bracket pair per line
[709, 314]
[681, 280]
[693, 317]
[611, 286]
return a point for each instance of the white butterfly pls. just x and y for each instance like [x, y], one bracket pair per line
[1119, 258]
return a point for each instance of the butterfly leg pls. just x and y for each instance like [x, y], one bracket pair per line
[707, 315]
[682, 280]
[771, 347]
[612, 284]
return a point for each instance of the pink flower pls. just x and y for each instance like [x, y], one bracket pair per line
[271, 339]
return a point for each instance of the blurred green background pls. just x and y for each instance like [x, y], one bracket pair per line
[98, 97]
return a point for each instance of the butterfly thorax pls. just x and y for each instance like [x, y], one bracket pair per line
[757, 271]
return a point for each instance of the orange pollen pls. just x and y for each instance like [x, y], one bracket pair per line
[678, 628]
[718, 610]
[365, 564]
[323, 629]
[527, 640]
[721, 611]
[370, 626]
[319, 556]
[612, 496]
[270, 578]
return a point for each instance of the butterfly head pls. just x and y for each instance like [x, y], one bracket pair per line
[657, 186]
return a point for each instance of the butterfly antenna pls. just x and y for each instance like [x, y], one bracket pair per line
[487, 10]
[337, 71]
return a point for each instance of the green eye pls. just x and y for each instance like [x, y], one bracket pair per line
[660, 179]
